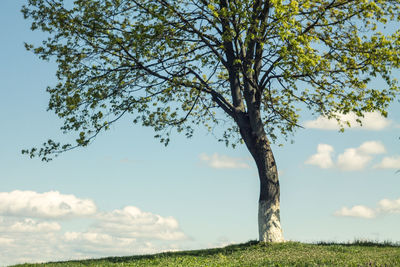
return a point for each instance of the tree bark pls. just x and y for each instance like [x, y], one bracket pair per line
[269, 225]
[269, 222]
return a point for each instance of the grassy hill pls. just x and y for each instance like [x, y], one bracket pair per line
[258, 254]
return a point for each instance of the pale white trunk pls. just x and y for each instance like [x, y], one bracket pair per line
[269, 225]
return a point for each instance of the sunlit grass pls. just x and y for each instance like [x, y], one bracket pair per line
[358, 253]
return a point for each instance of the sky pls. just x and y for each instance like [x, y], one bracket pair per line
[127, 194]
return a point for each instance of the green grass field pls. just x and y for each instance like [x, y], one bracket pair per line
[253, 253]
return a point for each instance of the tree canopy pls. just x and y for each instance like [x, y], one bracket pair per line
[179, 63]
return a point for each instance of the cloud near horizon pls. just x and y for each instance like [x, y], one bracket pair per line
[134, 223]
[389, 206]
[30, 229]
[385, 206]
[51, 204]
[371, 121]
[27, 225]
[350, 160]
[223, 162]
[356, 211]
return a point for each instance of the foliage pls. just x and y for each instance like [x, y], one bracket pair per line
[259, 254]
[180, 63]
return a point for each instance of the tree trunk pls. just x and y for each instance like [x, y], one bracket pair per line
[269, 222]
[269, 225]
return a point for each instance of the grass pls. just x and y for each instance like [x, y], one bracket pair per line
[358, 253]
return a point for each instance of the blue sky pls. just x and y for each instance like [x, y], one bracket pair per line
[128, 194]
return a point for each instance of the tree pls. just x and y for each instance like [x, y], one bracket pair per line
[249, 66]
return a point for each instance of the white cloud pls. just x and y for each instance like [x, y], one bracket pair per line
[28, 240]
[223, 162]
[356, 211]
[351, 159]
[389, 163]
[44, 205]
[371, 121]
[389, 206]
[27, 225]
[126, 231]
[357, 158]
[6, 241]
[384, 206]
[34, 247]
[372, 147]
[323, 158]
[133, 223]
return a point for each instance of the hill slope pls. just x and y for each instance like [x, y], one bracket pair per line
[258, 254]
